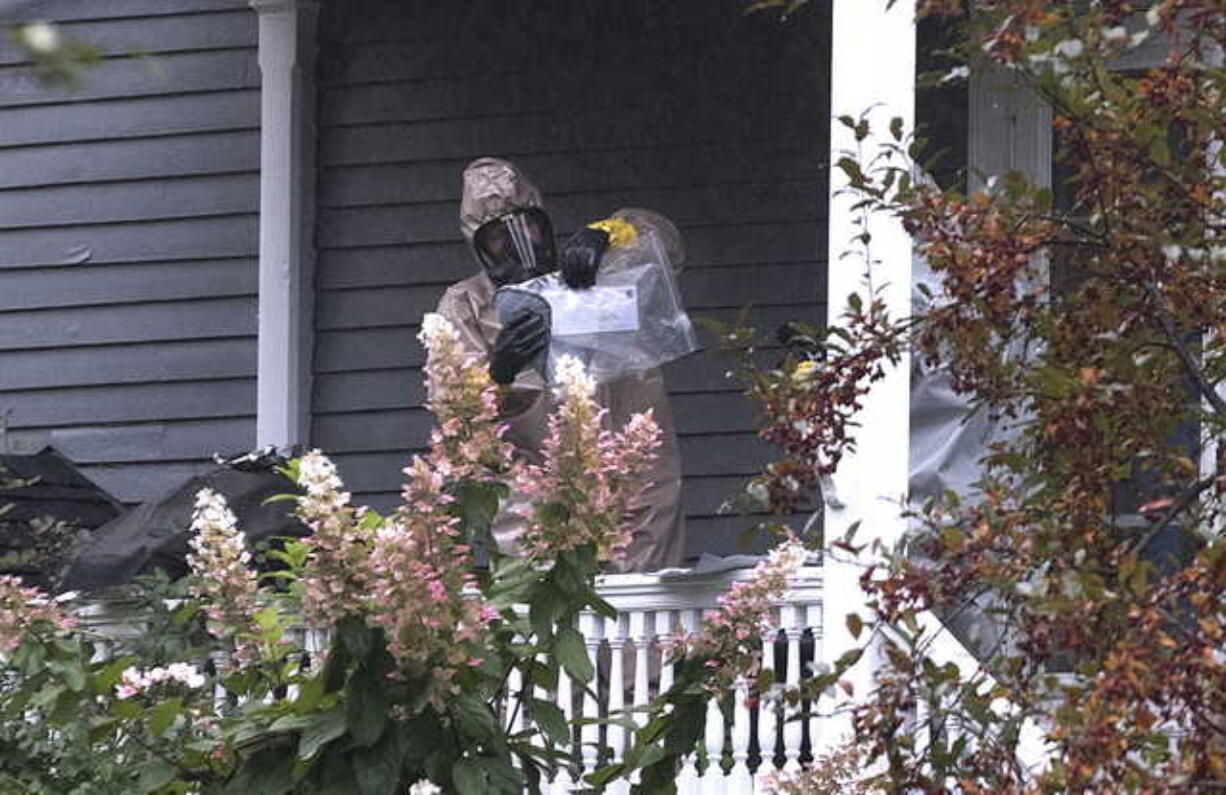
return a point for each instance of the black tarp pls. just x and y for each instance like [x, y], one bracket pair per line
[154, 535]
[57, 490]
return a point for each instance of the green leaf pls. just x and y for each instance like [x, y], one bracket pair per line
[328, 726]
[378, 767]
[266, 772]
[552, 720]
[367, 712]
[267, 618]
[469, 779]
[604, 775]
[475, 719]
[571, 652]
[106, 677]
[155, 775]
[162, 717]
[502, 777]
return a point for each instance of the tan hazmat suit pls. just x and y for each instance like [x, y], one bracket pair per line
[492, 187]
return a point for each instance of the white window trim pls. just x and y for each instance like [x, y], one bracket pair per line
[286, 268]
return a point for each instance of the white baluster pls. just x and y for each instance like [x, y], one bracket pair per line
[793, 731]
[739, 778]
[665, 628]
[615, 631]
[713, 776]
[767, 706]
[513, 700]
[592, 628]
[813, 620]
[688, 781]
[640, 637]
[221, 661]
[641, 632]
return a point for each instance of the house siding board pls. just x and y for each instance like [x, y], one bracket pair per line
[690, 108]
[129, 243]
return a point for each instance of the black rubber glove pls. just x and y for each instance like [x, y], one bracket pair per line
[521, 340]
[581, 257]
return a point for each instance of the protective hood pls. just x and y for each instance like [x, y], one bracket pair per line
[493, 188]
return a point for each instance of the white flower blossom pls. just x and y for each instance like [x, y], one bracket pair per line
[40, 37]
[573, 380]
[434, 329]
[425, 787]
[788, 556]
[317, 474]
[1070, 48]
[1116, 34]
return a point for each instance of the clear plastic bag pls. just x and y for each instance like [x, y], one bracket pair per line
[631, 320]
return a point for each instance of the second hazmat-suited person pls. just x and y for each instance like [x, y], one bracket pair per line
[502, 216]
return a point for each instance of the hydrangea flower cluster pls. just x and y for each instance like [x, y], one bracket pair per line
[25, 610]
[407, 574]
[419, 571]
[425, 787]
[728, 642]
[134, 681]
[467, 443]
[336, 582]
[583, 490]
[223, 580]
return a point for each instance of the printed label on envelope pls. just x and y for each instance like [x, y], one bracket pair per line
[596, 310]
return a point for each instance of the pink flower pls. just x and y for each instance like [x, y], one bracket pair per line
[724, 639]
[27, 611]
[438, 591]
[586, 485]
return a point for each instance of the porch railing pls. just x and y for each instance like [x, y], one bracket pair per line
[629, 654]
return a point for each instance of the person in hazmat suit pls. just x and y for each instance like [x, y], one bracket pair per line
[503, 218]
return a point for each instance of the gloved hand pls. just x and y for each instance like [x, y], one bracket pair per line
[581, 257]
[521, 340]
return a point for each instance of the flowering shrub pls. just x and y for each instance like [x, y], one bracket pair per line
[374, 659]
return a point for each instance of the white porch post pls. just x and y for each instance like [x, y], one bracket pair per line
[873, 66]
[287, 45]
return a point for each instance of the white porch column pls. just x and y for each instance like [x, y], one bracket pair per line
[873, 66]
[287, 45]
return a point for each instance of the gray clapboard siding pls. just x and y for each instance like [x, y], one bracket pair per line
[198, 318]
[67, 368]
[143, 241]
[140, 482]
[690, 108]
[139, 402]
[145, 200]
[124, 34]
[74, 10]
[129, 242]
[145, 117]
[142, 158]
[145, 75]
[397, 183]
[519, 135]
[138, 442]
[91, 285]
